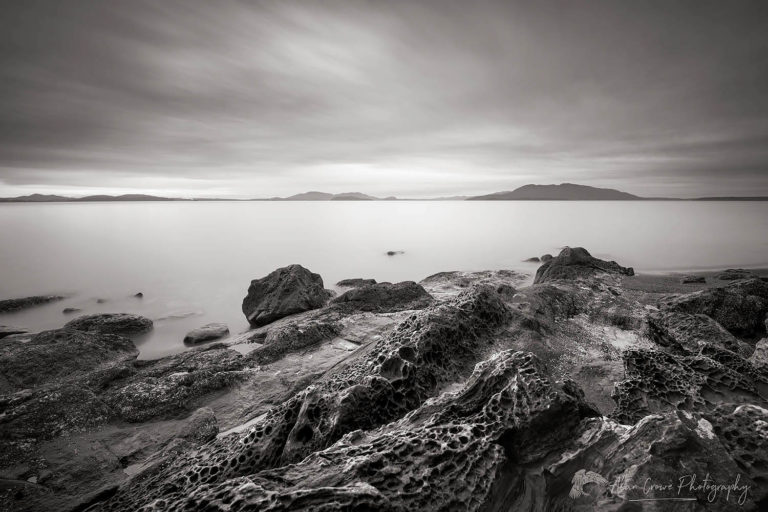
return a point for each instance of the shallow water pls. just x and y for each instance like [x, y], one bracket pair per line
[198, 258]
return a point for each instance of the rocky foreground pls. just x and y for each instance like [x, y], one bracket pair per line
[592, 389]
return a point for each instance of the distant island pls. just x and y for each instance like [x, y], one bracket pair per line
[561, 192]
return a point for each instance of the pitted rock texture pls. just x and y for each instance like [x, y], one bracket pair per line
[446, 455]
[51, 355]
[384, 297]
[291, 338]
[286, 291]
[430, 349]
[576, 262]
[686, 333]
[111, 323]
[740, 306]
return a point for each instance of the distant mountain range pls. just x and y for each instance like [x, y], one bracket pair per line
[561, 192]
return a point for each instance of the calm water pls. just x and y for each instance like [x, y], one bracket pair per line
[198, 258]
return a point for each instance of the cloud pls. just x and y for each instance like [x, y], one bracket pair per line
[406, 98]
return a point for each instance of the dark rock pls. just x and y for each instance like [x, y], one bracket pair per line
[693, 279]
[393, 253]
[384, 297]
[284, 292]
[733, 274]
[576, 262]
[111, 323]
[535, 259]
[687, 334]
[201, 426]
[139, 295]
[7, 330]
[545, 258]
[208, 332]
[291, 338]
[740, 306]
[101, 301]
[60, 353]
[9, 305]
[69, 311]
[355, 283]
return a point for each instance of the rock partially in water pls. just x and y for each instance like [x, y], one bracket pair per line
[384, 297]
[733, 274]
[394, 253]
[139, 295]
[740, 306]
[355, 283]
[8, 330]
[286, 291]
[546, 257]
[70, 311]
[208, 332]
[10, 305]
[693, 279]
[534, 259]
[111, 323]
[573, 263]
[51, 355]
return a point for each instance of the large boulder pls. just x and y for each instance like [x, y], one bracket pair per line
[286, 291]
[385, 297]
[576, 262]
[740, 306]
[111, 323]
[207, 332]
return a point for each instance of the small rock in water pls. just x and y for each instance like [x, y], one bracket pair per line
[111, 323]
[392, 253]
[101, 301]
[69, 311]
[546, 258]
[205, 333]
[693, 279]
[532, 260]
[139, 295]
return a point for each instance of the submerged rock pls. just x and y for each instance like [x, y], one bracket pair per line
[9, 305]
[111, 323]
[208, 332]
[576, 262]
[286, 291]
[384, 297]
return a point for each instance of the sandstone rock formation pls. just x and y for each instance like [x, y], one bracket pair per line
[576, 262]
[207, 332]
[111, 323]
[284, 292]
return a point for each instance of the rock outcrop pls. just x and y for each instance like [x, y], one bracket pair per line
[292, 338]
[286, 291]
[576, 262]
[355, 283]
[384, 297]
[207, 332]
[111, 323]
[10, 305]
[7, 330]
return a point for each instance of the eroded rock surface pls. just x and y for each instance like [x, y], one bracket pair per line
[384, 297]
[284, 292]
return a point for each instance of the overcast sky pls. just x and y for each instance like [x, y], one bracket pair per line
[407, 98]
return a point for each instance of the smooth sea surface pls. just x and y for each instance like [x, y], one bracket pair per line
[193, 261]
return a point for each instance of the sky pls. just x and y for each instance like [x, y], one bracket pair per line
[416, 98]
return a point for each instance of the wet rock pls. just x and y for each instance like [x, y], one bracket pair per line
[284, 292]
[291, 338]
[740, 307]
[535, 259]
[355, 283]
[384, 297]
[9, 305]
[733, 274]
[545, 258]
[693, 280]
[394, 253]
[111, 323]
[208, 332]
[139, 295]
[70, 311]
[576, 262]
[7, 330]
[201, 426]
[51, 355]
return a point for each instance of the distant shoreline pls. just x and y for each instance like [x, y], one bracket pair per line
[215, 200]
